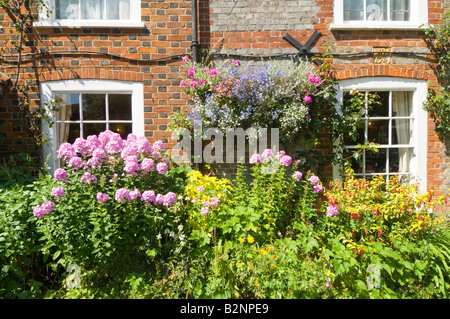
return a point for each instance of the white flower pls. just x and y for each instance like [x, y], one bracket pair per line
[158, 236]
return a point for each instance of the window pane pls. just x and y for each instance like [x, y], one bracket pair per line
[118, 9]
[93, 129]
[376, 10]
[92, 9]
[94, 107]
[67, 9]
[119, 107]
[402, 103]
[376, 161]
[69, 106]
[400, 10]
[72, 132]
[378, 131]
[122, 128]
[399, 159]
[401, 132]
[382, 109]
[353, 10]
[358, 139]
[356, 163]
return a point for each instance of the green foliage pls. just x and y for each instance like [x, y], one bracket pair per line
[269, 236]
[438, 99]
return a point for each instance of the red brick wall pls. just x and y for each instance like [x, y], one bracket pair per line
[168, 31]
[140, 54]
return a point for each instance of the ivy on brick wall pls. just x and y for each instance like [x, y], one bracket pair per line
[438, 99]
[21, 14]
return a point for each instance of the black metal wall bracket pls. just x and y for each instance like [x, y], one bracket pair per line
[303, 49]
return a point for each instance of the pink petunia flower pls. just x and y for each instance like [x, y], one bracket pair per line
[307, 99]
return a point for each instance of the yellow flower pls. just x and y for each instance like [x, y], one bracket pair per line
[275, 257]
[250, 239]
[263, 252]
[239, 265]
[241, 240]
[270, 247]
[251, 265]
[256, 283]
[272, 266]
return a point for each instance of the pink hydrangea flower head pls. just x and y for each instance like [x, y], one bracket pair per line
[162, 168]
[88, 178]
[318, 188]
[297, 175]
[148, 196]
[147, 165]
[267, 153]
[255, 158]
[58, 192]
[205, 210]
[132, 165]
[143, 146]
[169, 199]
[122, 194]
[75, 162]
[134, 194]
[159, 199]
[183, 83]
[159, 146]
[280, 154]
[60, 174]
[66, 151]
[214, 201]
[313, 179]
[102, 197]
[286, 160]
[93, 143]
[45, 208]
[81, 146]
[332, 210]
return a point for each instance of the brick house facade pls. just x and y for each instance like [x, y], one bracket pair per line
[139, 55]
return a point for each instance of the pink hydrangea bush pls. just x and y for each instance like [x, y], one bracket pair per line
[111, 197]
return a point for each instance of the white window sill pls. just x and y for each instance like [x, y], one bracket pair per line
[88, 24]
[376, 26]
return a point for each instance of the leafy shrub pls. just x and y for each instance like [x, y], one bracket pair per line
[24, 273]
[108, 209]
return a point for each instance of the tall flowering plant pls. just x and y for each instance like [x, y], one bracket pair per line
[275, 94]
[111, 203]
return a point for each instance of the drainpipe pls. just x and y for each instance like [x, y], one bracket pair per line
[195, 45]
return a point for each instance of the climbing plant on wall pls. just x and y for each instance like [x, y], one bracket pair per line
[438, 99]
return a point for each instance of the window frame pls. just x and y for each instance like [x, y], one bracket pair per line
[418, 17]
[47, 18]
[419, 128]
[48, 90]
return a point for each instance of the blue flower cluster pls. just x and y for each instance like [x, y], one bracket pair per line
[274, 94]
